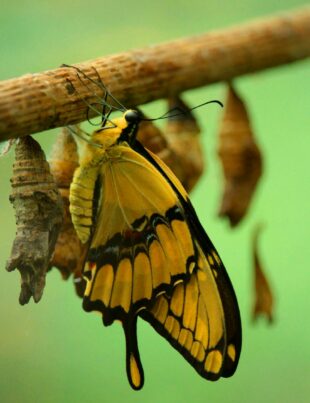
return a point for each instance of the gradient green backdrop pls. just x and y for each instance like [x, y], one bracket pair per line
[54, 351]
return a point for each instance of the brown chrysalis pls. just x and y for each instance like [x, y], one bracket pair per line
[263, 300]
[240, 157]
[39, 214]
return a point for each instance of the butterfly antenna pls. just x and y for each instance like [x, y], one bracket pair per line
[179, 111]
[214, 101]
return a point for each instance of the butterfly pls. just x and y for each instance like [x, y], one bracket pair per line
[149, 257]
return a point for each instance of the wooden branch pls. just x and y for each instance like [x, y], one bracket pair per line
[36, 102]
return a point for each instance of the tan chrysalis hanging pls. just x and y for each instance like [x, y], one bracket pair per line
[240, 157]
[69, 252]
[263, 301]
[39, 215]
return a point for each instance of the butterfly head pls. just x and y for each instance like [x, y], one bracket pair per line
[129, 124]
[132, 117]
[118, 130]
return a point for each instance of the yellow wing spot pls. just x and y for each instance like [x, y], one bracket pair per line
[175, 330]
[190, 304]
[142, 285]
[182, 337]
[210, 260]
[201, 353]
[189, 340]
[103, 285]
[160, 273]
[176, 304]
[217, 258]
[195, 349]
[121, 295]
[172, 326]
[214, 272]
[200, 261]
[134, 372]
[191, 267]
[231, 351]
[182, 234]
[214, 361]
[169, 323]
[160, 309]
[92, 271]
[186, 339]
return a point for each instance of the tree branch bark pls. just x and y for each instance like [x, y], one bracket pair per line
[36, 102]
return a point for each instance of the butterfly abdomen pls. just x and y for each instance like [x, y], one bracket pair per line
[81, 200]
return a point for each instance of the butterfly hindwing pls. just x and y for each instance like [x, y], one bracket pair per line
[192, 319]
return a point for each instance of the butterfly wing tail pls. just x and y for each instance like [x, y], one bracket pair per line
[133, 363]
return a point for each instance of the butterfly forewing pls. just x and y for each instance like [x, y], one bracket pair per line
[135, 256]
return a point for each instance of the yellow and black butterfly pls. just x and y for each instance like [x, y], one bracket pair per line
[149, 256]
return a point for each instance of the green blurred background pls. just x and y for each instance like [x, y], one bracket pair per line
[54, 351]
